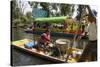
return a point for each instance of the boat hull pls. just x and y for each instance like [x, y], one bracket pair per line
[34, 53]
[54, 34]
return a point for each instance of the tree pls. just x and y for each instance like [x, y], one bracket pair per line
[16, 13]
[29, 15]
[65, 9]
[45, 7]
[80, 7]
[89, 10]
[15, 22]
[17, 16]
[27, 19]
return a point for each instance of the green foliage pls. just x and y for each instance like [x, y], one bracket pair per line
[18, 19]
[16, 13]
[15, 22]
[45, 6]
[24, 19]
[29, 15]
[65, 9]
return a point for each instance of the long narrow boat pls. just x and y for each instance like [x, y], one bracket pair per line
[20, 45]
[54, 34]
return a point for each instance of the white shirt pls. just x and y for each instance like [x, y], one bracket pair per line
[92, 31]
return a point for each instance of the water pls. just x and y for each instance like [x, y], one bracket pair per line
[22, 58]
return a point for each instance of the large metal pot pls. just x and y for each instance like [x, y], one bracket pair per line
[63, 44]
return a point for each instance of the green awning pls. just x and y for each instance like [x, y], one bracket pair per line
[51, 19]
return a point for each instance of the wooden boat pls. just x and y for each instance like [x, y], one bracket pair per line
[54, 34]
[20, 45]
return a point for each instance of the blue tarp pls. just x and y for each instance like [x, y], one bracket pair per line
[39, 13]
[30, 44]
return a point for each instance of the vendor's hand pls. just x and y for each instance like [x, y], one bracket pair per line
[48, 42]
[51, 40]
[83, 34]
[80, 37]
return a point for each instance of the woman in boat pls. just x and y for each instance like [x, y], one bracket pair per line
[45, 37]
[45, 40]
[90, 51]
